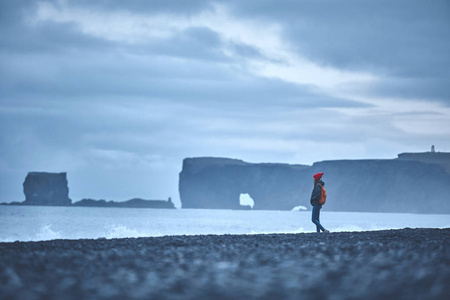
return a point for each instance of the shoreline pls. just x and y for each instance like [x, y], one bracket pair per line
[308, 208]
[310, 232]
[401, 264]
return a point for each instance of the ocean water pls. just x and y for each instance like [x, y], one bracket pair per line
[37, 223]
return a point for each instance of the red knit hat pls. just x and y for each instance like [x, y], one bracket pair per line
[318, 176]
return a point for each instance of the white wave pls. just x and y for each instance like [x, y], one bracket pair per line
[355, 228]
[299, 230]
[46, 233]
[348, 228]
[300, 207]
[121, 231]
[10, 239]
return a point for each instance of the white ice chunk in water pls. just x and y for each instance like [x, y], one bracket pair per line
[245, 199]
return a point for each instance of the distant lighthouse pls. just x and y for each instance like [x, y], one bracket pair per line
[432, 149]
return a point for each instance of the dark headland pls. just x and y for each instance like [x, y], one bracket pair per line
[410, 183]
[392, 264]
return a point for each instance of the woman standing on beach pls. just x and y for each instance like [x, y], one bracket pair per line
[315, 197]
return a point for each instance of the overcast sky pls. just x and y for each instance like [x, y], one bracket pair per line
[117, 93]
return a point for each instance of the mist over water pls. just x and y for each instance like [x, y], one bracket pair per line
[37, 223]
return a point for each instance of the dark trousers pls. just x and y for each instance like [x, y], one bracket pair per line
[316, 216]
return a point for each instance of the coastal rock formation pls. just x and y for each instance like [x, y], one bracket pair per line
[52, 189]
[41, 188]
[132, 203]
[397, 185]
[219, 182]
[438, 158]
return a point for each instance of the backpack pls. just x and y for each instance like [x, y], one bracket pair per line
[323, 196]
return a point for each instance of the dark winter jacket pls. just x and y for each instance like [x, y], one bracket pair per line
[316, 193]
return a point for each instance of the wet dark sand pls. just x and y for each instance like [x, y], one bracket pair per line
[394, 264]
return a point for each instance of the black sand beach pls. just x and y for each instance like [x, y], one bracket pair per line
[393, 264]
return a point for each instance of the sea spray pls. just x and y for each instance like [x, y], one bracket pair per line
[46, 233]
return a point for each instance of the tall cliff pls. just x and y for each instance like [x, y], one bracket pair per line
[218, 183]
[41, 188]
[397, 185]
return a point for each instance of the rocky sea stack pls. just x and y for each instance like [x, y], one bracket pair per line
[41, 188]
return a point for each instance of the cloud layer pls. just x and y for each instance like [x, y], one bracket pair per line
[117, 93]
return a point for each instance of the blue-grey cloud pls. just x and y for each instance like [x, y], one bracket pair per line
[110, 110]
[398, 39]
[149, 7]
